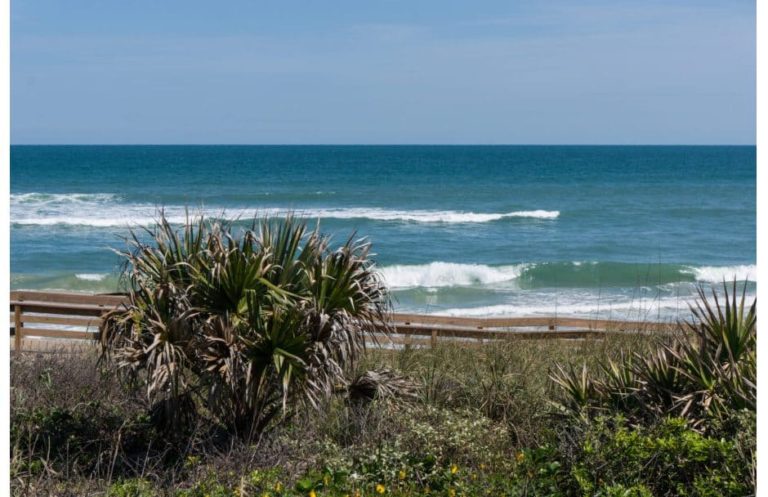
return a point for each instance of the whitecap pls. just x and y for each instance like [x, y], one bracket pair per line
[105, 210]
[91, 276]
[718, 274]
[447, 274]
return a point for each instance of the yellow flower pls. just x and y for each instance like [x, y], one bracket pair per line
[454, 469]
[482, 466]
[327, 480]
[312, 493]
[380, 488]
[519, 456]
[474, 476]
[451, 492]
[278, 487]
[401, 474]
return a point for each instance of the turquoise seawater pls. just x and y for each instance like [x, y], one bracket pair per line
[602, 231]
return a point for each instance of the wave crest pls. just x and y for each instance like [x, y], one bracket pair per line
[446, 274]
[718, 274]
[107, 210]
[91, 276]
[559, 274]
[61, 198]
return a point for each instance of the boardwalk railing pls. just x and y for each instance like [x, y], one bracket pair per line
[58, 315]
[74, 317]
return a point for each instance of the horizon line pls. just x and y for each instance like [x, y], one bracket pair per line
[383, 144]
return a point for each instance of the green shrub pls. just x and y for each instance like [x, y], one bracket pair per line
[669, 459]
[622, 491]
[137, 487]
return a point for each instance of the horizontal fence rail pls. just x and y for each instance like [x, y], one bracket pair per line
[75, 317]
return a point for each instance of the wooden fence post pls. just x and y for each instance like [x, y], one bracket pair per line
[17, 324]
[433, 341]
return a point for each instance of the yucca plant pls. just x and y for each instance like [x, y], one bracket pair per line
[577, 387]
[726, 331]
[660, 378]
[249, 324]
[618, 384]
[706, 372]
[719, 363]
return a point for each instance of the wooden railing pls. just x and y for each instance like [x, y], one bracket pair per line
[58, 315]
[436, 328]
[74, 317]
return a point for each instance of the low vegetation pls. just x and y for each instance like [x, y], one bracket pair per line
[203, 404]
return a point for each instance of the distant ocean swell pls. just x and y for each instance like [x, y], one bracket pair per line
[106, 210]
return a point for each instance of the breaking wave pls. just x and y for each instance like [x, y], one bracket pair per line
[103, 210]
[559, 274]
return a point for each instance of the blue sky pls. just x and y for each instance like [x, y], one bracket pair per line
[390, 71]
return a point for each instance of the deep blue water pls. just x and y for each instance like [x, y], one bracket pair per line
[589, 230]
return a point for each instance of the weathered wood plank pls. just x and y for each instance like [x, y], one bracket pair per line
[17, 325]
[472, 322]
[60, 308]
[436, 332]
[70, 298]
[68, 321]
[482, 323]
[50, 333]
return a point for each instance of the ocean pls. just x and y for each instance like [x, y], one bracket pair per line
[609, 232]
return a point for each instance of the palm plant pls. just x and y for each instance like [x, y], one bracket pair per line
[577, 386]
[249, 325]
[661, 381]
[725, 331]
[619, 383]
[720, 362]
[704, 373]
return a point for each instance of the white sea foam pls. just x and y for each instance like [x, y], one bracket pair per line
[105, 210]
[425, 216]
[650, 309]
[48, 198]
[718, 274]
[91, 276]
[446, 274]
